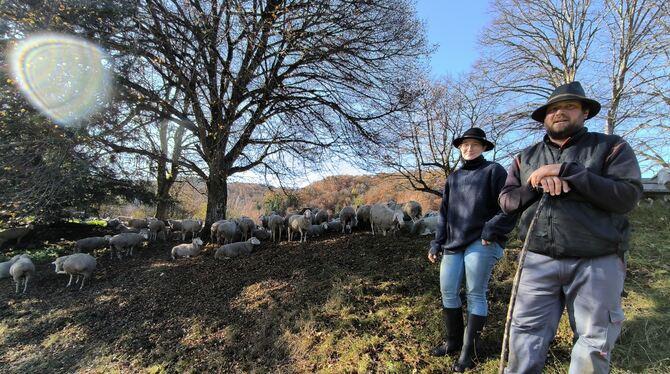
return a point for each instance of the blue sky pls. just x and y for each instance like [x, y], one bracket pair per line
[455, 26]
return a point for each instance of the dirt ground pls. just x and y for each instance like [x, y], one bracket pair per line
[197, 314]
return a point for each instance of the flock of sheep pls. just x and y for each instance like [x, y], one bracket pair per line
[239, 236]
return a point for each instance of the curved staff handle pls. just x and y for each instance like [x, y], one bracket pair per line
[515, 284]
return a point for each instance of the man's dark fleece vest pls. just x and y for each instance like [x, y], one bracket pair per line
[569, 226]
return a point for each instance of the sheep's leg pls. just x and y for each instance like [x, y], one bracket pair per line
[18, 284]
[25, 283]
[83, 278]
[70, 282]
[372, 225]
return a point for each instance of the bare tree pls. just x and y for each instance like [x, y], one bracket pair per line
[418, 142]
[535, 45]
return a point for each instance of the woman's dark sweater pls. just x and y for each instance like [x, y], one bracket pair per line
[470, 210]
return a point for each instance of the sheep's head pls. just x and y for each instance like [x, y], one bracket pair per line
[398, 218]
[254, 240]
[324, 225]
[59, 264]
[197, 241]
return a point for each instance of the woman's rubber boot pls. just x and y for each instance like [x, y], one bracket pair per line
[453, 341]
[472, 331]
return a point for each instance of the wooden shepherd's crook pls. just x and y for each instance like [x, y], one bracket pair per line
[515, 284]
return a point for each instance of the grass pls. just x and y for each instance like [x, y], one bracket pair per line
[349, 304]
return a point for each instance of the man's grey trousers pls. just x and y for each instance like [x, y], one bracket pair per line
[590, 288]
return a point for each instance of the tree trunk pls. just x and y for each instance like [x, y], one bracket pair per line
[217, 197]
[163, 198]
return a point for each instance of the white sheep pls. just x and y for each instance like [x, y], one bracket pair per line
[15, 233]
[157, 226]
[348, 218]
[227, 230]
[192, 226]
[213, 229]
[92, 243]
[4, 266]
[80, 265]
[246, 225]
[411, 210]
[127, 241]
[429, 225]
[300, 223]
[22, 270]
[385, 219]
[363, 216]
[276, 224]
[237, 249]
[175, 225]
[187, 249]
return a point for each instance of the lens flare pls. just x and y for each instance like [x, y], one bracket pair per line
[66, 78]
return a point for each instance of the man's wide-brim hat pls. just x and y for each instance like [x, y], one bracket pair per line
[570, 91]
[474, 133]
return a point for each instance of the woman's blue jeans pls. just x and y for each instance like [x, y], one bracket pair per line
[477, 263]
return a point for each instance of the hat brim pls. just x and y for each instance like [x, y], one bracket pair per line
[487, 144]
[592, 105]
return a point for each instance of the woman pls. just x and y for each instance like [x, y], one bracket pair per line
[471, 235]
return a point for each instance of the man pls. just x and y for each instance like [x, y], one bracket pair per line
[576, 249]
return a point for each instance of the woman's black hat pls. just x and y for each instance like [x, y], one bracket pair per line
[474, 133]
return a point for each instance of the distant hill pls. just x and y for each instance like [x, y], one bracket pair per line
[334, 192]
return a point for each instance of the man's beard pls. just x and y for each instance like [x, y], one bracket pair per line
[565, 132]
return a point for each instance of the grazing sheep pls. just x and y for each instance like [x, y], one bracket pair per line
[157, 226]
[363, 216]
[321, 216]
[227, 231]
[246, 225]
[80, 265]
[92, 243]
[317, 230]
[429, 225]
[411, 210]
[385, 219]
[127, 241]
[335, 225]
[237, 249]
[264, 221]
[15, 233]
[138, 223]
[192, 226]
[348, 218]
[187, 250]
[276, 224]
[300, 223]
[175, 225]
[22, 270]
[4, 266]
[261, 234]
[213, 230]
